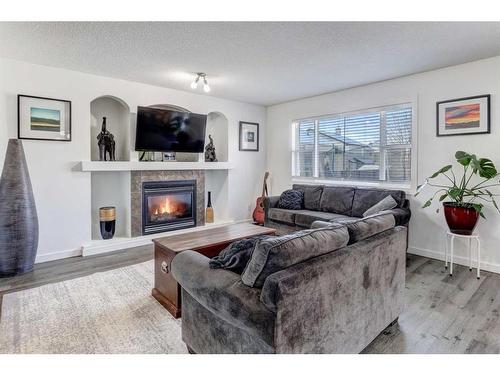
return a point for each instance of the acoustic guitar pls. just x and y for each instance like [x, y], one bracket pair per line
[258, 213]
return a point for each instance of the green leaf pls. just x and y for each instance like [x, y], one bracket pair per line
[443, 197]
[482, 215]
[446, 168]
[486, 168]
[427, 204]
[494, 203]
[463, 158]
[455, 193]
[477, 206]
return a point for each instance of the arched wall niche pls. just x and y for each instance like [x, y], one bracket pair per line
[117, 114]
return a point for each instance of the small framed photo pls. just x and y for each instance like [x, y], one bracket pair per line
[249, 136]
[43, 118]
[463, 116]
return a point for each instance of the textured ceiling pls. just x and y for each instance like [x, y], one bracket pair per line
[255, 62]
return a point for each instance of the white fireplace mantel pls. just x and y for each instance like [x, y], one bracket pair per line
[117, 166]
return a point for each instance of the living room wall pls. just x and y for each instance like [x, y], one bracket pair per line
[427, 227]
[63, 195]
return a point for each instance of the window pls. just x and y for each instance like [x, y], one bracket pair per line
[370, 146]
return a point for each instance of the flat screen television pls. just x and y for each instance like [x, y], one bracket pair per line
[169, 131]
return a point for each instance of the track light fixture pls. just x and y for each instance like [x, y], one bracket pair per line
[203, 77]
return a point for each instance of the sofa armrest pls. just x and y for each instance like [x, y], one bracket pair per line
[192, 271]
[321, 224]
[221, 292]
[270, 202]
[401, 215]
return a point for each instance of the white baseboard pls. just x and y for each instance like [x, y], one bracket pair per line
[464, 261]
[117, 243]
[122, 243]
[40, 258]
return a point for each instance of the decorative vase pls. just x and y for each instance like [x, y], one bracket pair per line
[209, 212]
[18, 218]
[460, 220]
[107, 220]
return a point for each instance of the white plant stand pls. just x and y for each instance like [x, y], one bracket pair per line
[451, 237]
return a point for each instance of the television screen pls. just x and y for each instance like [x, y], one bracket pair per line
[169, 131]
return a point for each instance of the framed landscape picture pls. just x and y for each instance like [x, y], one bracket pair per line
[463, 116]
[43, 118]
[249, 136]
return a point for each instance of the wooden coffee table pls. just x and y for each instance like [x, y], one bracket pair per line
[209, 242]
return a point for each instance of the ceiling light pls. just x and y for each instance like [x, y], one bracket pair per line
[206, 87]
[203, 76]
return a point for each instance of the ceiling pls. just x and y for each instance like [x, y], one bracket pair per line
[256, 62]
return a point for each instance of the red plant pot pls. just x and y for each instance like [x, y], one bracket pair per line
[460, 220]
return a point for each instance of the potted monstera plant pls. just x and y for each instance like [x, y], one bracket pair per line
[464, 196]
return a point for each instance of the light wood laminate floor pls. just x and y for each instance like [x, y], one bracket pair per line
[443, 314]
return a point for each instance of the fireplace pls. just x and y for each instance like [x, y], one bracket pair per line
[168, 205]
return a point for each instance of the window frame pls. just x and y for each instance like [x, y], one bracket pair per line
[409, 187]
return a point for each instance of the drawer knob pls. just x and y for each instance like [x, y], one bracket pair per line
[164, 267]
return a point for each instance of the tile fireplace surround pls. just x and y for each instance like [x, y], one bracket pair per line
[138, 177]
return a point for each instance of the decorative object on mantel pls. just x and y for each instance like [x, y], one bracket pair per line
[463, 211]
[249, 136]
[147, 156]
[169, 156]
[463, 116]
[106, 143]
[18, 217]
[209, 212]
[107, 221]
[43, 118]
[210, 150]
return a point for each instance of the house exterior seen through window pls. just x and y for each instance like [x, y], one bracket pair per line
[371, 146]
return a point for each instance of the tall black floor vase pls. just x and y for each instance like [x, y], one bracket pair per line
[18, 218]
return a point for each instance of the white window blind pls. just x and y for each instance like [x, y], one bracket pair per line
[372, 146]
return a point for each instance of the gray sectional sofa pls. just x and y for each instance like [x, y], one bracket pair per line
[333, 204]
[329, 289]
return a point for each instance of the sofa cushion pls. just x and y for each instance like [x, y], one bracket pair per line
[388, 203]
[282, 215]
[305, 218]
[312, 195]
[369, 226]
[337, 199]
[291, 199]
[365, 198]
[274, 254]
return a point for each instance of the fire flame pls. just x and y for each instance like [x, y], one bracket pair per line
[167, 205]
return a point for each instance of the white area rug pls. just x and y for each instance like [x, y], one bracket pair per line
[108, 312]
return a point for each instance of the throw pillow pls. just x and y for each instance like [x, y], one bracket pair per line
[291, 200]
[277, 253]
[388, 203]
[236, 256]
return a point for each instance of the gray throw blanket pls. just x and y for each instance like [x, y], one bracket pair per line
[236, 256]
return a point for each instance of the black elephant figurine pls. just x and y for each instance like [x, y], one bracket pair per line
[106, 143]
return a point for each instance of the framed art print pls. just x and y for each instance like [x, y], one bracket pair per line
[43, 118]
[463, 116]
[249, 136]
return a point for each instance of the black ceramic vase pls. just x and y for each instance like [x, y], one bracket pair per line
[107, 222]
[18, 218]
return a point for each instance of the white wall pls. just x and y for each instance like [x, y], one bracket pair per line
[62, 195]
[427, 227]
